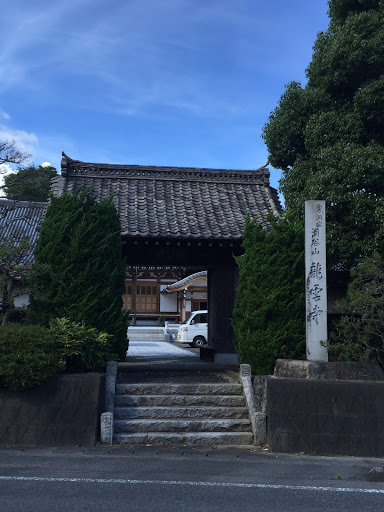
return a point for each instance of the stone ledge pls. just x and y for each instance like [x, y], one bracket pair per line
[337, 370]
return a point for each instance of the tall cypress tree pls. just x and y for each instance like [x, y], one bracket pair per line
[81, 246]
[269, 313]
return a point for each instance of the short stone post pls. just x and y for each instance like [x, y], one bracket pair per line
[110, 386]
[106, 427]
[107, 418]
[258, 419]
[316, 281]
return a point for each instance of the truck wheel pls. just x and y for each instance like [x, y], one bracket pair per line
[199, 341]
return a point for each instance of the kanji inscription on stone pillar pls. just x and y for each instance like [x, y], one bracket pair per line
[316, 281]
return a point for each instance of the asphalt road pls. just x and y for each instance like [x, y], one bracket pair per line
[183, 479]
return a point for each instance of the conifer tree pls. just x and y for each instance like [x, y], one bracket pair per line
[80, 242]
[269, 313]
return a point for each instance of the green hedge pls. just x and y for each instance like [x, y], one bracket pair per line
[358, 336]
[269, 314]
[28, 356]
[82, 348]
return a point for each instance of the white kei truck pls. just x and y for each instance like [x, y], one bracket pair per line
[194, 330]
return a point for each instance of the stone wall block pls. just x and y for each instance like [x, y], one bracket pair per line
[326, 417]
[260, 390]
[65, 410]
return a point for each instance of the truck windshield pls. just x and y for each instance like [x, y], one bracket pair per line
[188, 319]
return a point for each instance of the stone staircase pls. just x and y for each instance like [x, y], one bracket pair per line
[146, 333]
[192, 413]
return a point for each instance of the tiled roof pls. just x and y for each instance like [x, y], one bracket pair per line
[180, 285]
[175, 202]
[19, 219]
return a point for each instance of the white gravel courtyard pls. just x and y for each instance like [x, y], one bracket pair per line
[161, 349]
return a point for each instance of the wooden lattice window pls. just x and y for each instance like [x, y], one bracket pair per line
[147, 297]
[127, 297]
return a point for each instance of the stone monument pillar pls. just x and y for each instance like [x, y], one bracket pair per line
[316, 281]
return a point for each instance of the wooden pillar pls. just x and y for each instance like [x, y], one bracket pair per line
[134, 296]
[222, 279]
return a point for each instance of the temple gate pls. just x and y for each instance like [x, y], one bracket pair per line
[184, 217]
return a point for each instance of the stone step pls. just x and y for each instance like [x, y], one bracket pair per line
[181, 425]
[181, 412]
[146, 333]
[146, 338]
[186, 438]
[179, 389]
[135, 330]
[179, 400]
[140, 332]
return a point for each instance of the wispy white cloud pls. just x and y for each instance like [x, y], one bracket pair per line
[44, 149]
[138, 53]
[5, 169]
[76, 69]
[4, 115]
[26, 142]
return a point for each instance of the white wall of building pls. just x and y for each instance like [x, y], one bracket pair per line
[168, 302]
[200, 282]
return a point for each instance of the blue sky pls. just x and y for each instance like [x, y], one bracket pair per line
[151, 82]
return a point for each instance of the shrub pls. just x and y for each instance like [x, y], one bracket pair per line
[269, 313]
[359, 335]
[82, 348]
[28, 356]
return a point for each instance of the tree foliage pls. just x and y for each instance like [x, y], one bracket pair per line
[29, 183]
[82, 348]
[359, 335]
[328, 137]
[80, 242]
[269, 313]
[28, 356]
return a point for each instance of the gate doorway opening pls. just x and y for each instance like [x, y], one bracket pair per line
[159, 295]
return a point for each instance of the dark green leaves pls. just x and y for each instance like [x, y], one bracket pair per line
[328, 136]
[360, 333]
[29, 183]
[80, 242]
[269, 314]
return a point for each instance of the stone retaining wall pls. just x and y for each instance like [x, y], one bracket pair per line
[63, 411]
[325, 417]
